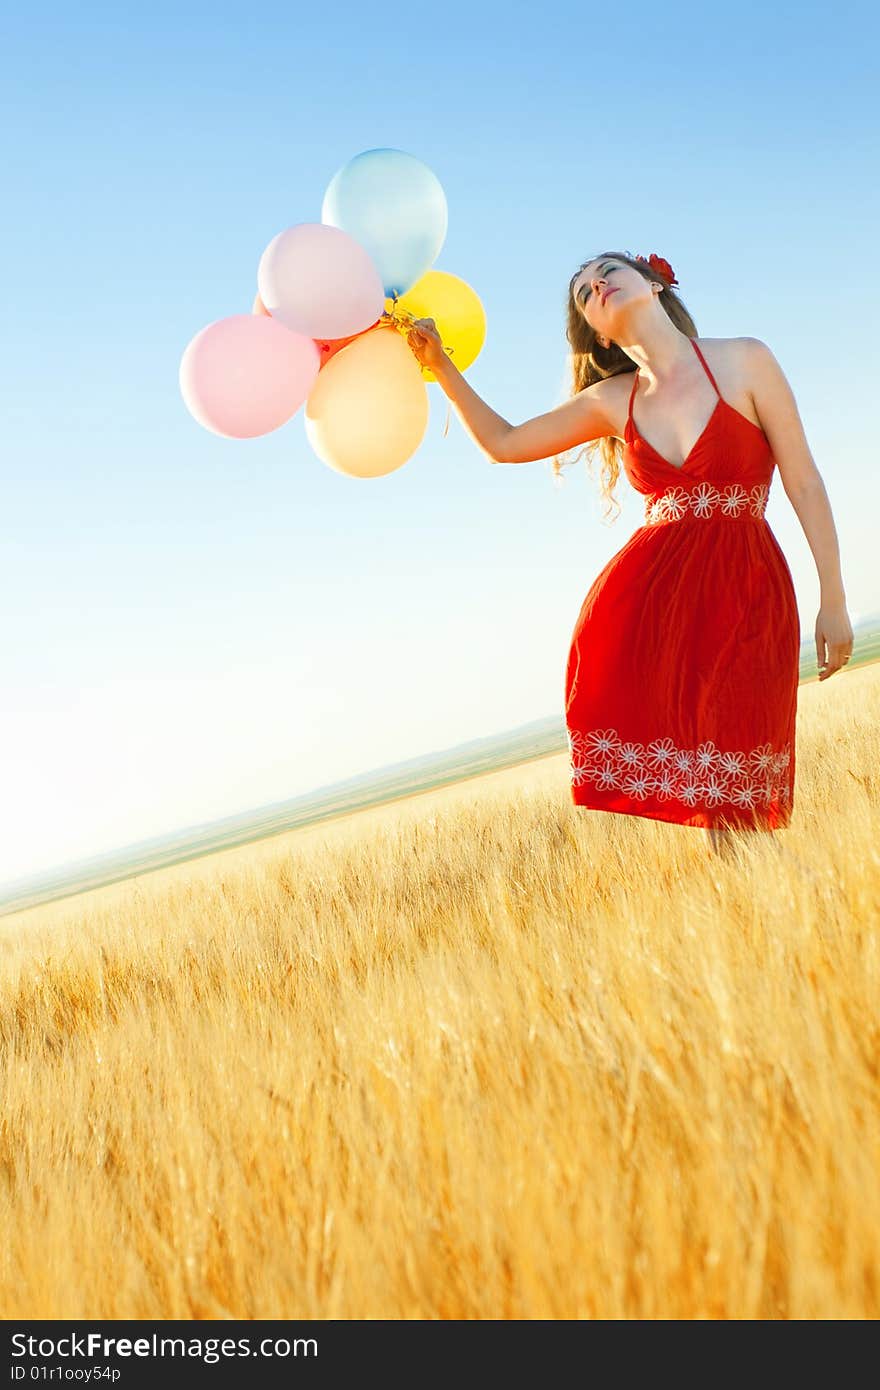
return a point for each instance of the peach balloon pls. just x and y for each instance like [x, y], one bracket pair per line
[368, 411]
[246, 375]
[259, 307]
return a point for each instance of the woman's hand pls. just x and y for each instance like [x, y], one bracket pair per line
[834, 639]
[426, 344]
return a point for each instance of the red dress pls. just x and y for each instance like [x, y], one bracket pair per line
[682, 678]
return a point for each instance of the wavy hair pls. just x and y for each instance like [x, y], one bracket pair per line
[590, 362]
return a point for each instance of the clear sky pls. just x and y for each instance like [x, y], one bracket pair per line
[192, 626]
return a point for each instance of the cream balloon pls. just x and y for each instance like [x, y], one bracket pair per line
[367, 413]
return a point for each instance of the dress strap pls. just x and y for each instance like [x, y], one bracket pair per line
[706, 365]
[629, 415]
[635, 375]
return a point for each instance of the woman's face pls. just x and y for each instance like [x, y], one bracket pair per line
[606, 290]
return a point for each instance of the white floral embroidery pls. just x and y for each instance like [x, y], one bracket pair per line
[706, 775]
[733, 500]
[761, 758]
[715, 789]
[707, 756]
[743, 795]
[782, 760]
[665, 786]
[639, 785]
[733, 764]
[670, 505]
[705, 500]
[631, 754]
[661, 751]
[674, 503]
[602, 742]
[577, 742]
[606, 776]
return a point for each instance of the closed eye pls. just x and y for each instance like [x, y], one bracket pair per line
[585, 294]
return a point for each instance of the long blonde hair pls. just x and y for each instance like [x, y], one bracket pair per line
[590, 362]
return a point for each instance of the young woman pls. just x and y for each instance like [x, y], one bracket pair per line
[682, 676]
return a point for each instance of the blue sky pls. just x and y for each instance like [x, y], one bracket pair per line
[192, 625]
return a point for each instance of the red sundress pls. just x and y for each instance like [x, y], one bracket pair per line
[682, 678]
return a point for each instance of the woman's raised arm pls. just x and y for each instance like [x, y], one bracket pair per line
[576, 421]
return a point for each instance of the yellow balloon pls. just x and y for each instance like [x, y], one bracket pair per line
[456, 309]
[368, 410]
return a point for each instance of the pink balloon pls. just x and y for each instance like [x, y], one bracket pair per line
[245, 375]
[319, 281]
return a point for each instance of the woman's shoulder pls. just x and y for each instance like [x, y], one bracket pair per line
[732, 353]
[729, 358]
[736, 364]
[730, 348]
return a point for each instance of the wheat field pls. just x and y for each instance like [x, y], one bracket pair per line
[479, 1054]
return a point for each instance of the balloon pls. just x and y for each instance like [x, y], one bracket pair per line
[329, 348]
[394, 205]
[319, 281]
[368, 410]
[455, 308]
[326, 348]
[245, 375]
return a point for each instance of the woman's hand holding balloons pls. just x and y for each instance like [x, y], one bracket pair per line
[455, 311]
[426, 344]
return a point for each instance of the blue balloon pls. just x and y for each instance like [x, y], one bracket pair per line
[394, 205]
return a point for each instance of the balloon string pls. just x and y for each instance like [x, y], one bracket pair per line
[402, 320]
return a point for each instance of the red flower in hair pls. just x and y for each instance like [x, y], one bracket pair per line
[662, 268]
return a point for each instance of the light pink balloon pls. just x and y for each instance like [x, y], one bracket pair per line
[245, 375]
[319, 281]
